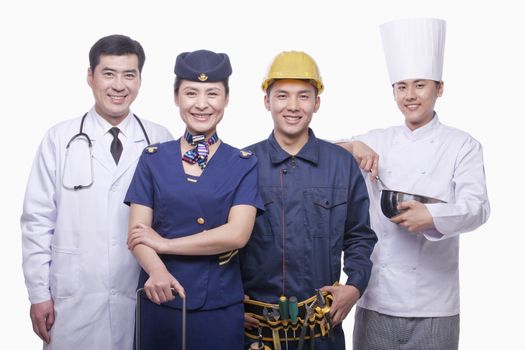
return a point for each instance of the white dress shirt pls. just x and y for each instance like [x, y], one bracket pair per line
[124, 126]
[416, 275]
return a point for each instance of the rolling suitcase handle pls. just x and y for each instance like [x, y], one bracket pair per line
[137, 319]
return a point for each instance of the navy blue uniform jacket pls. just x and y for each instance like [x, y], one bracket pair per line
[315, 202]
[181, 208]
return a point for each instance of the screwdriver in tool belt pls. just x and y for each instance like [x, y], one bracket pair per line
[283, 311]
[293, 310]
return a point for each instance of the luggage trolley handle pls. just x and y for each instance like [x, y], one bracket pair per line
[140, 291]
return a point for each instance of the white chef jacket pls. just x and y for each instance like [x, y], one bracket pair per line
[74, 242]
[416, 275]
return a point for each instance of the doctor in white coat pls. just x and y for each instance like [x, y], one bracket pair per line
[412, 299]
[80, 276]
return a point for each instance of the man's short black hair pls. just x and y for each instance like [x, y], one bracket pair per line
[117, 45]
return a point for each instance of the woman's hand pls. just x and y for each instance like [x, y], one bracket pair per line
[249, 321]
[158, 287]
[143, 234]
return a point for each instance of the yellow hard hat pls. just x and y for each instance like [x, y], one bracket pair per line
[293, 65]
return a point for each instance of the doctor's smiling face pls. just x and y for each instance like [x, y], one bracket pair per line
[201, 105]
[416, 100]
[115, 83]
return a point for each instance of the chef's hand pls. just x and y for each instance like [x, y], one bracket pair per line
[249, 321]
[415, 217]
[143, 234]
[42, 316]
[345, 297]
[159, 284]
[365, 156]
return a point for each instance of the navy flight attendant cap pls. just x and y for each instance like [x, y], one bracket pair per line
[203, 65]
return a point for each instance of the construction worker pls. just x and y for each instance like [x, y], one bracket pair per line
[316, 209]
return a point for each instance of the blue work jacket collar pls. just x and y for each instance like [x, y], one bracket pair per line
[309, 152]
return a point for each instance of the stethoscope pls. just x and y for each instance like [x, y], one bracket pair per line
[81, 135]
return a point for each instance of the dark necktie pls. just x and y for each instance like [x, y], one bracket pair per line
[116, 145]
[199, 154]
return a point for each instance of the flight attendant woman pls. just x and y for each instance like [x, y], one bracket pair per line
[193, 204]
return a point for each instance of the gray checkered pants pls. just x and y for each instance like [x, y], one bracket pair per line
[375, 331]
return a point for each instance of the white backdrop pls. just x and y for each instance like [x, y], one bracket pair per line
[44, 60]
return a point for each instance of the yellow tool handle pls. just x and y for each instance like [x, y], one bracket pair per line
[276, 340]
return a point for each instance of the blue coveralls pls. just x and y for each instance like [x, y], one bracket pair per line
[181, 208]
[321, 197]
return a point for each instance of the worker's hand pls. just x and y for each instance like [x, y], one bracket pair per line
[345, 297]
[159, 284]
[42, 316]
[415, 217]
[143, 234]
[249, 321]
[365, 156]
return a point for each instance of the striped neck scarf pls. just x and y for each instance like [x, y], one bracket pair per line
[199, 154]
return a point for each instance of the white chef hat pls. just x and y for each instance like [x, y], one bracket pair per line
[414, 48]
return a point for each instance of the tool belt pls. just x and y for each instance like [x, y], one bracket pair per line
[316, 321]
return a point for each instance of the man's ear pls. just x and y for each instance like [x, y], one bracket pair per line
[441, 88]
[89, 77]
[267, 102]
[317, 103]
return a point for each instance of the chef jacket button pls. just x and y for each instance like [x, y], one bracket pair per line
[113, 242]
[200, 221]
[114, 188]
[113, 292]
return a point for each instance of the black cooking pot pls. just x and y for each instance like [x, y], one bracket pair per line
[390, 199]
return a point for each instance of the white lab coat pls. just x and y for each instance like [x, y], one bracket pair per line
[74, 242]
[416, 275]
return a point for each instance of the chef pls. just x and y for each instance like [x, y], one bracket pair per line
[412, 300]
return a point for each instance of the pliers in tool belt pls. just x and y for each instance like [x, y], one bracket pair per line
[302, 336]
[324, 309]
